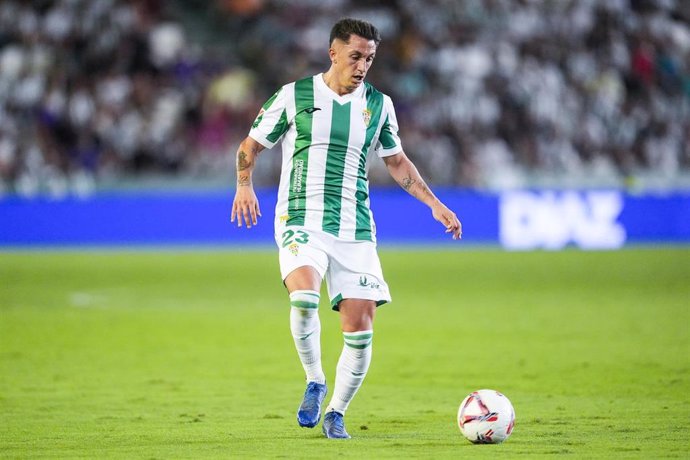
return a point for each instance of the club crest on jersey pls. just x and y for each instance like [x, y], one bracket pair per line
[366, 114]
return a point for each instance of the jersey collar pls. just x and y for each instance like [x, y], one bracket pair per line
[321, 84]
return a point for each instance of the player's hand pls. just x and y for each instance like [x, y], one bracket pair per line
[245, 206]
[448, 218]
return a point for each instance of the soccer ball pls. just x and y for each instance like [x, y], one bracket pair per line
[486, 417]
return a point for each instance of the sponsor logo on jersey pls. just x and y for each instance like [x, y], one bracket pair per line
[311, 110]
[366, 114]
[297, 181]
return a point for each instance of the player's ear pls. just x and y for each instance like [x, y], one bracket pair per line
[332, 54]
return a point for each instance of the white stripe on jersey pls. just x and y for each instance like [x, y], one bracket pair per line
[310, 167]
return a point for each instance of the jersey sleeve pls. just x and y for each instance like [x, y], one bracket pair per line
[271, 122]
[388, 142]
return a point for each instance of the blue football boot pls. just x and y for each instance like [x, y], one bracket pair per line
[309, 412]
[334, 426]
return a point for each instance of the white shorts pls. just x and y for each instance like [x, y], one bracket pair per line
[351, 268]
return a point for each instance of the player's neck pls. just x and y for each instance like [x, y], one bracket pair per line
[332, 82]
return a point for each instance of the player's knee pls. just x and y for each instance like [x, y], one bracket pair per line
[306, 301]
[359, 340]
[304, 308]
[357, 315]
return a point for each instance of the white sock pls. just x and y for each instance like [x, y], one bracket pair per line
[351, 370]
[306, 331]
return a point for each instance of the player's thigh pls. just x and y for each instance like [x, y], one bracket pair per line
[303, 260]
[354, 272]
[305, 277]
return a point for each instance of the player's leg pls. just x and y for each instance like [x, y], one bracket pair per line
[304, 284]
[357, 324]
[356, 287]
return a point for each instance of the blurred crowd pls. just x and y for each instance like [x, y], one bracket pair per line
[489, 93]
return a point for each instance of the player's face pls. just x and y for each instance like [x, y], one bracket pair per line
[352, 60]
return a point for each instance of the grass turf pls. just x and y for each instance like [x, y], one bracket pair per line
[188, 354]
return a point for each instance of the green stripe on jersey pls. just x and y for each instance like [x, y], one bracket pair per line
[279, 129]
[335, 168]
[386, 138]
[363, 218]
[297, 196]
[265, 107]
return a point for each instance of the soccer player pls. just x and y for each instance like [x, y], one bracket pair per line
[328, 124]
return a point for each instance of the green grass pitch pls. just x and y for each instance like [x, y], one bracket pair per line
[164, 354]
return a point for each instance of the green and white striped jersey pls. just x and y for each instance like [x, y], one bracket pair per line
[326, 140]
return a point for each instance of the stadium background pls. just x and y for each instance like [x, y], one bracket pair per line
[105, 106]
[137, 322]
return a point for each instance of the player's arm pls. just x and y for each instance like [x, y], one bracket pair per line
[246, 205]
[406, 174]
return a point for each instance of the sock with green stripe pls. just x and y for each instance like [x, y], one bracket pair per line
[351, 370]
[306, 331]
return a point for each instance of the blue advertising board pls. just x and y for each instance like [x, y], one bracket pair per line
[525, 219]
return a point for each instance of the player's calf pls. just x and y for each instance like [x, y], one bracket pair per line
[306, 332]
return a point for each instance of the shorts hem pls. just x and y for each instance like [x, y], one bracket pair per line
[316, 267]
[335, 302]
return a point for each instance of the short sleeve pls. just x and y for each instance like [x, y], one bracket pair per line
[388, 143]
[271, 122]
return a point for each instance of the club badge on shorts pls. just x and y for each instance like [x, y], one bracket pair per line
[294, 248]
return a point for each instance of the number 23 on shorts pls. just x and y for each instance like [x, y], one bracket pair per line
[297, 236]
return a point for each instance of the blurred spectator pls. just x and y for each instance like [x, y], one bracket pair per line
[495, 93]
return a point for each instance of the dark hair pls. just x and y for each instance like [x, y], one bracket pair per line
[348, 26]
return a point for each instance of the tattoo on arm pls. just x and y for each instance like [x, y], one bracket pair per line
[415, 188]
[407, 183]
[243, 180]
[424, 189]
[242, 162]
